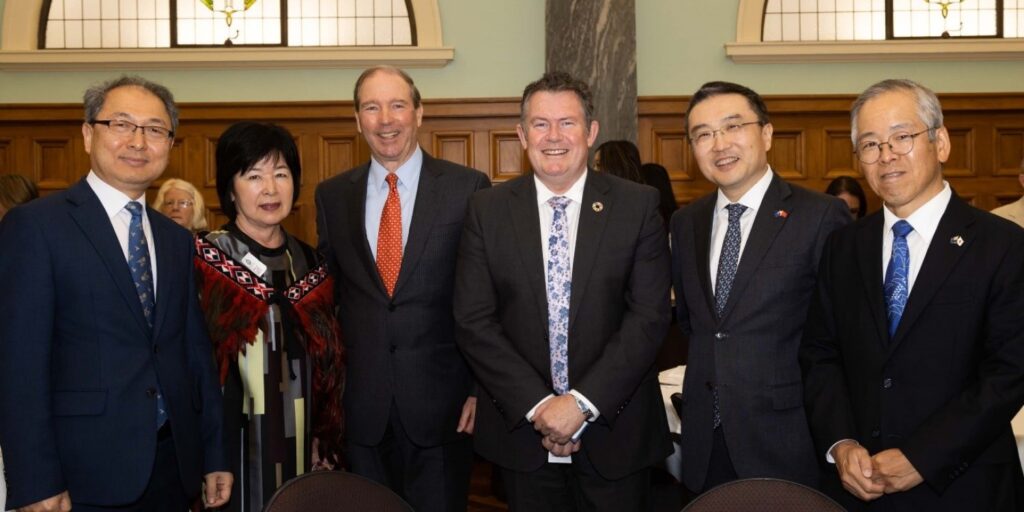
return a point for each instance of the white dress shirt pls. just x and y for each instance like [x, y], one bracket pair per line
[720, 222]
[114, 201]
[377, 194]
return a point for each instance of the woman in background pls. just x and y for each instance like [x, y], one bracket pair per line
[14, 190]
[269, 306]
[179, 200]
[620, 158]
[849, 190]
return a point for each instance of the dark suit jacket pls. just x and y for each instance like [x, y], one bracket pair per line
[751, 352]
[946, 386]
[400, 349]
[79, 366]
[619, 314]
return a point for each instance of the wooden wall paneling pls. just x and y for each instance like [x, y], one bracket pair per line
[961, 156]
[7, 156]
[52, 159]
[839, 157]
[508, 159]
[1008, 150]
[454, 146]
[788, 154]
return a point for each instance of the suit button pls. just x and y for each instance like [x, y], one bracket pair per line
[391, 307]
[876, 433]
[393, 349]
[887, 383]
[151, 392]
[721, 335]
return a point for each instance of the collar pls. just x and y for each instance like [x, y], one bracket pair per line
[752, 199]
[408, 173]
[925, 220]
[575, 193]
[112, 199]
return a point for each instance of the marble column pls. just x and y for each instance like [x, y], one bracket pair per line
[595, 40]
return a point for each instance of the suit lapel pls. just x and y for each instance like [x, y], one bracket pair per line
[424, 213]
[588, 237]
[165, 266]
[938, 263]
[762, 234]
[526, 225]
[702, 218]
[95, 225]
[357, 216]
[869, 260]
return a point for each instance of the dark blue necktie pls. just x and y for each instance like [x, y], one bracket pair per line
[559, 289]
[142, 273]
[897, 283]
[728, 260]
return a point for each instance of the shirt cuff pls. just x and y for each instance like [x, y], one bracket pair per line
[533, 410]
[590, 405]
[828, 454]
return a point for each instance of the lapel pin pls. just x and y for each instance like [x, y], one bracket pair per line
[781, 214]
[597, 206]
[957, 240]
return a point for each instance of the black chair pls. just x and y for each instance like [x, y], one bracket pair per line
[763, 495]
[335, 491]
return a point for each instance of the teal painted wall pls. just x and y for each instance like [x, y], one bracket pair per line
[499, 47]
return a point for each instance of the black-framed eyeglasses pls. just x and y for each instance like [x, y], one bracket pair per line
[152, 133]
[705, 138]
[900, 143]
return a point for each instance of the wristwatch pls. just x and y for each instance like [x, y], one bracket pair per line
[587, 413]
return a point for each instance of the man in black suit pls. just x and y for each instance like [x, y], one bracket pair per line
[561, 299]
[108, 397]
[390, 232]
[913, 354]
[744, 263]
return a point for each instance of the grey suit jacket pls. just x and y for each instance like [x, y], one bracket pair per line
[751, 352]
[400, 349]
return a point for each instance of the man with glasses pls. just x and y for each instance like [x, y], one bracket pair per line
[744, 263]
[913, 354]
[108, 396]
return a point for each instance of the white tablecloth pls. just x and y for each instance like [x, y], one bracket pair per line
[671, 382]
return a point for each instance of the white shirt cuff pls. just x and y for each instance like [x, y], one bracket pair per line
[828, 454]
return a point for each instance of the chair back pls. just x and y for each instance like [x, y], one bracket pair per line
[763, 495]
[335, 491]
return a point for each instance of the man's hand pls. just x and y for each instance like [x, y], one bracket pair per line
[560, 450]
[468, 418]
[558, 418]
[218, 488]
[895, 471]
[855, 470]
[58, 503]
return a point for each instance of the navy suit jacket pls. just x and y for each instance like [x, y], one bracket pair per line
[79, 366]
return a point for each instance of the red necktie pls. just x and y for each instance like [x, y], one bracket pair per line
[389, 238]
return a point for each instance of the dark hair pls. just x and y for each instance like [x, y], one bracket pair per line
[16, 189]
[413, 91]
[620, 158]
[242, 146]
[712, 89]
[657, 176]
[96, 96]
[850, 186]
[558, 81]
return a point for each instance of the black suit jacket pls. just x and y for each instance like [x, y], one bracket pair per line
[945, 387]
[751, 352]
[619, 314]
[79, 366]
[400, 349]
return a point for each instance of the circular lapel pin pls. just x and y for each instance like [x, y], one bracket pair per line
[597, 206]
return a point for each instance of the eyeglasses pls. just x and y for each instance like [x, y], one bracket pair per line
[900, 143]
[121, 128]
[705, 138]
[180, 203]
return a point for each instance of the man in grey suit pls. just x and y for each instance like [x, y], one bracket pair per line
[390, 230]
[744, 264]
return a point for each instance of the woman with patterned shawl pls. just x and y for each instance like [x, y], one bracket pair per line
[268, 302]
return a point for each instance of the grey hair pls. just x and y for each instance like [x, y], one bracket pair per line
[96, 96]
[928, 107]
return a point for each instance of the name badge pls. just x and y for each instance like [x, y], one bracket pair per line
[254, 264]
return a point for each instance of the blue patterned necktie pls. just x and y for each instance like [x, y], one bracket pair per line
[559, 289]
[897, 283]
[142, 273]
[727, 262]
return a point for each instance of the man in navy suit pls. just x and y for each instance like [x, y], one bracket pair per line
[108, 397]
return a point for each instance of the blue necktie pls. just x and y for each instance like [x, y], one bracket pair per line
[142, 273]
[728, 259]
[897, 284]
[559, 288]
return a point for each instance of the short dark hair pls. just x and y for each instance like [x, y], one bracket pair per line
[242, 146]
[96, 96]
[413, 91]
[712, 89]
[621, 158]
[558, 81]
[852, 187]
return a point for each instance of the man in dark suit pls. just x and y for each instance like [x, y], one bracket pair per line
[390, 232]
[561, 299]
[108, 397]
[744, 263]
[913, 354]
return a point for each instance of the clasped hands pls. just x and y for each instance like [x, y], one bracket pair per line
[557, 419]
[869, 477]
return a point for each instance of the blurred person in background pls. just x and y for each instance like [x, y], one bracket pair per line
[850, 191]
[14, 190]
[182, 202]
[620, 158]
